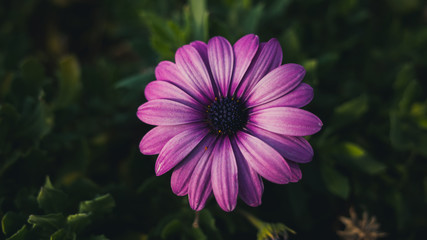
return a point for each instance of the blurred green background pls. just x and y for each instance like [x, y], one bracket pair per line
[73, 72]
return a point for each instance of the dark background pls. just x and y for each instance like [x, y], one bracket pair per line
[73, 72]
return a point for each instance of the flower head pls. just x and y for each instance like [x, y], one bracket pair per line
[228, 116]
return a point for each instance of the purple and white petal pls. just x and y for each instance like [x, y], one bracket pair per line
[244, 51]
[266, 161]
[166, 90]
[157, 137]
[193, 68]
[276, 83]
[224, 175]
[178, 148]
[287, 121]
[221, 62]
[167, 112]
[292, 148]
[269, 57]
[200, 185]
[184, 170]
[299, 97]
[251, 186]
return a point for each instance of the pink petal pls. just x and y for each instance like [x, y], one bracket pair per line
[193, 68]
[184, 170]
[287, 121]
[178, 148]
[244, 51]
[296, 173]
[266, 161]
[166, 90]
[168, 71]
[269, 57]
[276, 83]
[221, 61]
[292, 148]
[200, 186]
[167, 112]
[250, 183]
[299, 97]
[224, 175]
[157, 137]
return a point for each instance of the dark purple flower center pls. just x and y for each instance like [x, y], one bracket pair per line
[227, 116]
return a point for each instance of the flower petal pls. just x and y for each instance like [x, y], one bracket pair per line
[299, 97]
[296, 172]
[287, 121]
[251, 186]
[276, 83]
[157, 137]
[178, 148]
[292, 148]
[184, 170]
[266, 161]
[221, 62]
[166, 90]
[167, 112]
[200, 185]
[192, 67]
[269, 57]
[224, 175]
[244, 51]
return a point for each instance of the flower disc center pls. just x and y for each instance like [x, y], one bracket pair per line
[226, 116]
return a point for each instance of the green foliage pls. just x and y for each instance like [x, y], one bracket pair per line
[73, 73]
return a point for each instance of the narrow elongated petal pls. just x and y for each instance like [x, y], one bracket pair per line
[250, 183]
[296, 174]
[193, 68]
[168, 71]
[157, 137]
[178, 148]
[244, 51]
[221, 61]
[166, 90]
[167, 112]
[287, 121]
[184, 170]
[299, 97]
[276, 83]
[266, 161]
[292, 148]
[200, 185]
[269, 57]
[224, 175]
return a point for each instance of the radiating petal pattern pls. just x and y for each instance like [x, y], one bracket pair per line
[287, 121]
[227, 117]
[178, 148]
[266, 161]
[276, 84]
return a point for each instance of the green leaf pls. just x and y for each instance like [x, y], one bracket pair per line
[77, 222]
[350, 111]
[69, 81]
[50, 221]
[50, 199]
[335, 182]
[11, 222]
[99, 237]
[104, 203]
[63, 234]
[360, 159]
[33, 76]
[172, 229]
[21, 234]
[200, 18]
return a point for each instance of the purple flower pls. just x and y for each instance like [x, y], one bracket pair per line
[227, 116]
